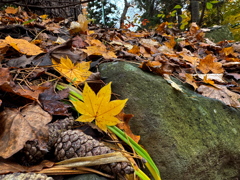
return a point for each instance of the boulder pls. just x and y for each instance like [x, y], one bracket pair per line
[187, 135]
[219, 33]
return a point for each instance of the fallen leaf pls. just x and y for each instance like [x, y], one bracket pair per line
[208, 81]
[21, 61]
[170, 44]
[190, 80]
[207, 64]
[135, 50]
[23, 46]
[221, 93]
[98, 48]
[8, 166]
[6, 84]
[50, 100]
[11, 10]
[157, 67]
[78, 42]
[215, 77]
[235, 75]
[172, 83]
[75, 74]
[20, 126]
[124, 125]
[190, 58]
[99, 107]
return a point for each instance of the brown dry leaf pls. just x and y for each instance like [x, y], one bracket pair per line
[21, 61]
[190, 80]
[207, 64]
[8, 166]
[3, 46]
[99, 50]
[121, 43]
[135, 50]
[162, 28]
[193, 28]
[190, 58]
[157, 67]
[11, 10]
[226, 51]
[171, 43]
[124, 125]
[6, 84]
[50, 100]
[236, 47]
[23, 46]
[208, 81]
[19, 126]
[78, 42]
[221, 93]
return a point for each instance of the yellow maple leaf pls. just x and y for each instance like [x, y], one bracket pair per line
[98, 107]
[74, 73]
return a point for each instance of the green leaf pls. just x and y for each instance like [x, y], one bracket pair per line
[139, 150]
[161, 15]
[177, 7]
[209, 5]
[173, 13]
[214, 2]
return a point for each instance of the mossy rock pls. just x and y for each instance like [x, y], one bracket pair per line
[188, 136]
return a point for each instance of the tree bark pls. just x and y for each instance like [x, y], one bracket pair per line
[194, 11]
[123, 16]
[54, 8]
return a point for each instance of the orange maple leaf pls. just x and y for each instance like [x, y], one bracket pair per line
[99, 107]
[23, 46]
[207, 64]
[73, 73]
[98, 48]
[11, 10]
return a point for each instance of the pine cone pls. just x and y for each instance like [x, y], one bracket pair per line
[57, 127]
[32, 153]
[75, 143]
[25, 176]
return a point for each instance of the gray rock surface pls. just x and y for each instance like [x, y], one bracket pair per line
[190, 137]
[219, 34]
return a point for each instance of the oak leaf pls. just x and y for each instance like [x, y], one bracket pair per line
[75, 74]
[207, 64]
[99, 107]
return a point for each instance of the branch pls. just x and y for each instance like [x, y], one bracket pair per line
[141, 4]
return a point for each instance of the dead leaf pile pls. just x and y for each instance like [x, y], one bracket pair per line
[37, 52]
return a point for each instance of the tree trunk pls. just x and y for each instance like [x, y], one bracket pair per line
[123, 16]
[195, 11]
[54, 8]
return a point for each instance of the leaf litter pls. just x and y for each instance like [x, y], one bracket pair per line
[28, 63]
